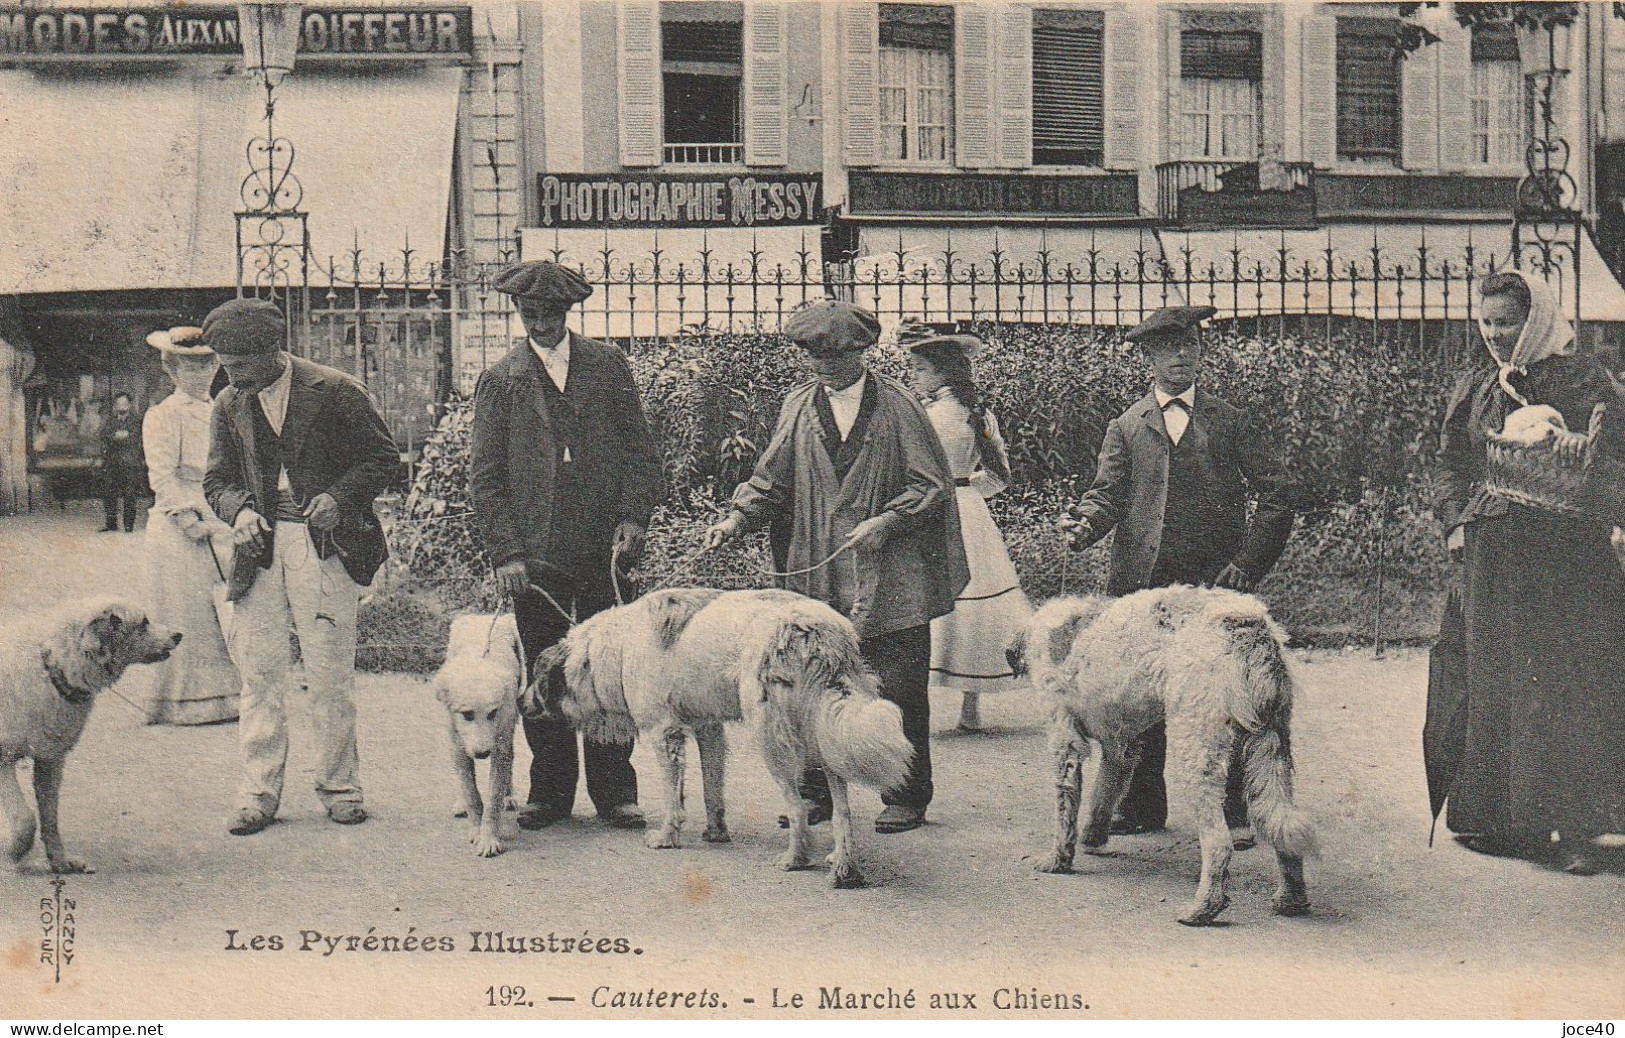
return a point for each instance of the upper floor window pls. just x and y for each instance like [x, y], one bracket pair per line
[1368, 89]
[702, 69]
[916, 83]
[1069, 122]
[1221, 94]
[1497, 97]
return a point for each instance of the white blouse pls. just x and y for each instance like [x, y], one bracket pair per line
[175, 435]
[952, 421]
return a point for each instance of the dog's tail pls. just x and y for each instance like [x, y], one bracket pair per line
[822, 702]
[1261, 704]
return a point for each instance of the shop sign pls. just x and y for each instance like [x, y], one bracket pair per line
[976, 194]
[614, 200]
[74, 33]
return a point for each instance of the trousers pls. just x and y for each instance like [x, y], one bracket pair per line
[316, 599]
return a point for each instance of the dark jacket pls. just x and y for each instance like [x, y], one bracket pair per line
[338, 445]
[516, 454]
[1130, 491]
[124, 465]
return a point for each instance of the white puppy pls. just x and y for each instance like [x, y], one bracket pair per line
[479, 685]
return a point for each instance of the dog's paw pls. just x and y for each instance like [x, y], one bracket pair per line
[1290, 904]
[717, 834]
[662, 839]
[1054, 863]
[68, 866]
[487, 846]
[1205, 914]
[791, 861]
[847, 877]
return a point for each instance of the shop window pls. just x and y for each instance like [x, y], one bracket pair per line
[1221, 94]
[702, 71]
[1368, 92]
[1497, 97]
[1069, 121]
[917, 83]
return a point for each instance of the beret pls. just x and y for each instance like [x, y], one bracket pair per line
[912, 335]
[829, 328]
[543, 282]
[1171, 320]
[241, 326]
[180, 342]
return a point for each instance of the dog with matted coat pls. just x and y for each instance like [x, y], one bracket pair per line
[1209, 664]
[691, 659]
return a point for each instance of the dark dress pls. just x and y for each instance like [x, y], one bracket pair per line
[1543, 603]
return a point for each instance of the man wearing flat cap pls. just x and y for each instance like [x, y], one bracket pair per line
[297, 456]
[854, 464]
[1174, 474]
[564, 475]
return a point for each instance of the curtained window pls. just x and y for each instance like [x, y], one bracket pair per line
[1497, 97]
[1221, 94]
[916, 83]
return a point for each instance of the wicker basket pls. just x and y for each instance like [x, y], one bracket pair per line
[1565, 473]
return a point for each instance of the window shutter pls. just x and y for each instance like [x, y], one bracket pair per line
[1124, 69]
[1455, 96]
[637, 36]
[1068, 92]
[766, 81]
[860, 83]
[1318, 91]
[1015, 86]
[1419, 108]
[973, 86]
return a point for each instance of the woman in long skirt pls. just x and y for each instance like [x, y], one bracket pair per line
[198, 684]
[1543, 605]
[967, 645]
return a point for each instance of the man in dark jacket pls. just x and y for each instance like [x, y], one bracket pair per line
[564, 475]
[1174, 474]
[297, 455]
[124, 469]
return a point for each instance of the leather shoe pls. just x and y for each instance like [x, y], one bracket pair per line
[817, 813]
[625, 816]
[899, 819]
[1124, 827]
[347, 812]
[248, 821]
[539, 816]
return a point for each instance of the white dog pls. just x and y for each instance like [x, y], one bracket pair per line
[480, 685]
[688, 660]
[1207, 662]
[51, 668]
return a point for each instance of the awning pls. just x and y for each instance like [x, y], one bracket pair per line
[1081, 275]
[1386, 271]
[131, 180]
[729, 279]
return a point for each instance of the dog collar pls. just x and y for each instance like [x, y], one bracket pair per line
[65, 688]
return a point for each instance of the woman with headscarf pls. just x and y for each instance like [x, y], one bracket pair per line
[185, 575]
[1542, 771]
[967, 645]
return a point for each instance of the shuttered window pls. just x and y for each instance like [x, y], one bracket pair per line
[702, 70]
[1368, 94]
[1068, 88]
[916, 83]
[1204, 54]
[1221, 94]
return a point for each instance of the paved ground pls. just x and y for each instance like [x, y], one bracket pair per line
[1399, 929]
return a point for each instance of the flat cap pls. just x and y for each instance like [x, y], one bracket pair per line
[180, 342]
[544, 282]
[1171, 320]
[242, 326]
[913, 336]
[829, 328]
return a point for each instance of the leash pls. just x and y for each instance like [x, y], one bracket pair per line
[831, 557]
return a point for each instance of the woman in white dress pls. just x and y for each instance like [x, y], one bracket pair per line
[967, 645]
[198, 684]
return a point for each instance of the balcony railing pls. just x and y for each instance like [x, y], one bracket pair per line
[704, 154]
[1236, 193]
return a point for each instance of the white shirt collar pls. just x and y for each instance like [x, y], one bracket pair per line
[1188, 396]
[274, 397]
[555, 359]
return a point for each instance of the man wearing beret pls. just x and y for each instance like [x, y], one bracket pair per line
[1174, 474]
[854, 464]
[564, 475]
[297, 456]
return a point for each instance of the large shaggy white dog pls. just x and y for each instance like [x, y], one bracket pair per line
[51, 667]
[689, 660]
[1207, 662]
[480, 685]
